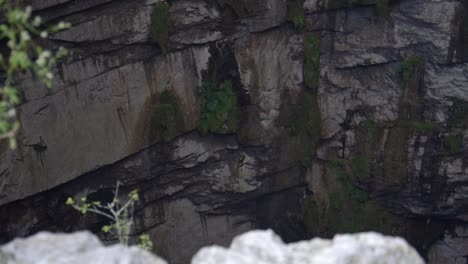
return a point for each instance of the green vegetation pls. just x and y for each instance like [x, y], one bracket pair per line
[296, 14]
[22, 53]
[360, 167]
[352, 3]
[346, 208]
[454, 143]
[312, 63]
[311, 215]
[383, 7]
[416, 126]
[241, 8]
[311, 127]
[219, 110]
[302, 118]
[458, 113]
[120, 213]
[167, 121]
[409, 66]
[160, 25]
[356, 167]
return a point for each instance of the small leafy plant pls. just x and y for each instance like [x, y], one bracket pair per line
[19, 31]
[120, 213]
[219, 111]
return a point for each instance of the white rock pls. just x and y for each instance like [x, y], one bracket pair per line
[262, 247]
[79, 247]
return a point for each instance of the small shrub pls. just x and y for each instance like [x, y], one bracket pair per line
[145, 242]
[120, 213]
[219, 111]
[160, 25]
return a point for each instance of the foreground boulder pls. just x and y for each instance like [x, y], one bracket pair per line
[255, 247]
[262, 247]
[76, 248]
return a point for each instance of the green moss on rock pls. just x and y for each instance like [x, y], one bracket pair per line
[295, 14]
[458, 113]
[352, 3]
[409, 66]
[454, 143]
[160, 25]
[241, 8]
[312, 62]
[383, 7]
[166, 121]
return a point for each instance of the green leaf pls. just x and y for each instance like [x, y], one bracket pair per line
[106, 228]
[70, 201]
[134, 195]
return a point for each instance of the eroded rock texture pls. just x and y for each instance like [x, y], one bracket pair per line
[308, 117]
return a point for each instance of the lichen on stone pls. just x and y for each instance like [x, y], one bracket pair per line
[160, 25]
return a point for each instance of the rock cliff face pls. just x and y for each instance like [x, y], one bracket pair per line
[309, 117]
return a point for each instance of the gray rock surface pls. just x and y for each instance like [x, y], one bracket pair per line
[265, 247]
[389, 102]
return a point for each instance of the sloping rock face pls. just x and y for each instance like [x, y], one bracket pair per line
[80, 247]
[264, 247]
[307, 117]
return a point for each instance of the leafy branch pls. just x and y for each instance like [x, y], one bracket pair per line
[120, 213]
[19, 31]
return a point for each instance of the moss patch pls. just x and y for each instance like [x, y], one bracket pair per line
[160, 25]
[241, 8]
[348, 210]
[409, 66]
[454, 143]
[312, 63]
[166, 121]
[353, 3]
[219, 111]
[302, 125]
[417, 126]
[295, 13]
[383, 7]
[301, 119]
[458, 113]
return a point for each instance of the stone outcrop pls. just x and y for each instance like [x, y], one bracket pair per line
[259, 247]
[264, 247]
[308, 117]
[80, 247]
